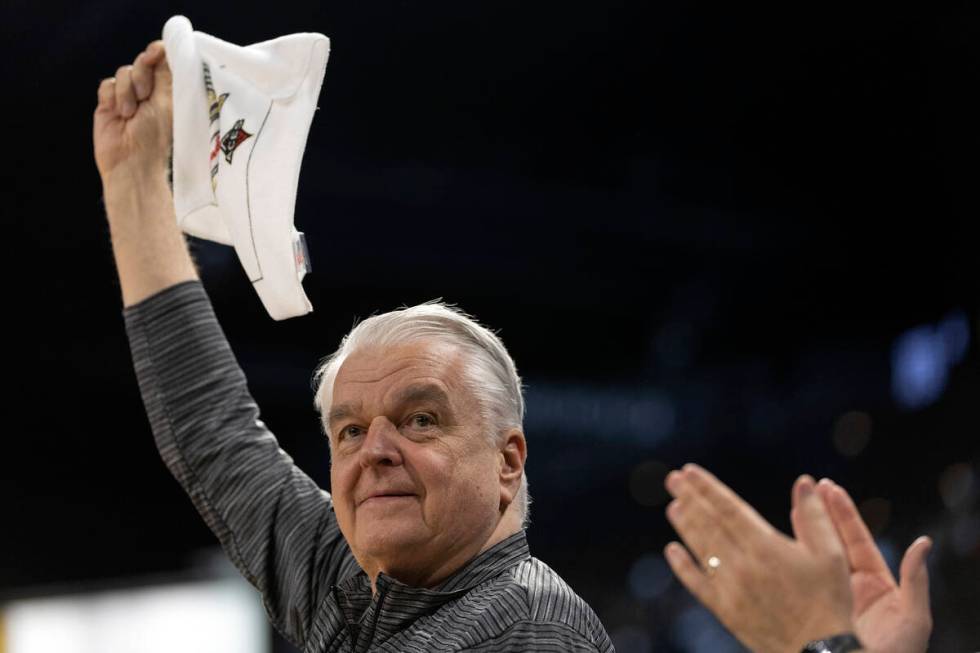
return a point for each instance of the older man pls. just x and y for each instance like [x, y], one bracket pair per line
[420, 545]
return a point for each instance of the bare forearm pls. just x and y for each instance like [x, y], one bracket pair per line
[150, 251]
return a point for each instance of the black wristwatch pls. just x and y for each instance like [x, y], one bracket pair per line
[837, 644]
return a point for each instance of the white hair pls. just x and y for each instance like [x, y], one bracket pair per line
[490, 371]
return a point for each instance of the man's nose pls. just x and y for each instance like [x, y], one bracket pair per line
[380, 446]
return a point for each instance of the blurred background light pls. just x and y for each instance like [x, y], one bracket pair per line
[649, 577]
[697, 631]
[957, 485]
[631, 639]
[921, 358]
[919, 367]
[645, 417]
[891, 554]
[955, 332]
[675, 344]
[852, 432]
[224, 616]
[966, 536]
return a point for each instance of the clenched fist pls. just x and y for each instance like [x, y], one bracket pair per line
[133, 122]
[132, 134]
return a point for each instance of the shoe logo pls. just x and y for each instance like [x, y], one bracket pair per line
[231, 140]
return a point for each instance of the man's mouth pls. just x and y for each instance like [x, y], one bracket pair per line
[386, 497]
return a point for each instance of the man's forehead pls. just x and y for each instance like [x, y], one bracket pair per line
[394, 368]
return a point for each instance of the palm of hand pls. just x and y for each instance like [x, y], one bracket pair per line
[879, 615]
[883, 621]
[886, 616]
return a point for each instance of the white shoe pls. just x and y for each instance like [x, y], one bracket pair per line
[241, 118]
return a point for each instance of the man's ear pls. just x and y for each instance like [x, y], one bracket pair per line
[513, 454]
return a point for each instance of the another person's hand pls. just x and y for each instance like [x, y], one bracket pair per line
[772, 592]
[887, 616]
[133, 122]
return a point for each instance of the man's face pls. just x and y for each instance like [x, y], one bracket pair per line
[416, 485]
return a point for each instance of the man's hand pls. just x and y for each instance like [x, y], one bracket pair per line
[133, 122]
[887, 616]
[132, 132]
[772, 592]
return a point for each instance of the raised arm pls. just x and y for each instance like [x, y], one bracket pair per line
[275, 524]
[132, 134]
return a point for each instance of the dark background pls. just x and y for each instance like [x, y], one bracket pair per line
[705, 234]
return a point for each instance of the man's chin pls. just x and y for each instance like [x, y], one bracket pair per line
[391, 540]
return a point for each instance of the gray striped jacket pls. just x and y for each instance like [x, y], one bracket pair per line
[280, 531]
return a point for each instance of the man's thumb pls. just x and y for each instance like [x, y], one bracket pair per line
[914, 575]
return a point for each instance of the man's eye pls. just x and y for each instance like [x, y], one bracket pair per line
[422, 420]
[349, 432]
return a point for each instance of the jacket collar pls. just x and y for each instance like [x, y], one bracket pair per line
[402, 604]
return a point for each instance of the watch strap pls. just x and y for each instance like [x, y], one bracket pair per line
[843, 643]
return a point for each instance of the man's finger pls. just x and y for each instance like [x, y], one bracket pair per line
[804, 478]
[107, 94]
[125, 97]
[795, 501]
[154, 52]
[142, 75]
[914, 574]
[794, 513]
[812, 522]
[862, 553]
[695, 523]
[737, 517]
[691, 575]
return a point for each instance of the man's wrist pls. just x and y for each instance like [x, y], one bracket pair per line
[134, 199]
[150, 251]
[126, 185]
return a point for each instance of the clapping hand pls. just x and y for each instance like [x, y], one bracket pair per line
[887, 616]
[776, 593]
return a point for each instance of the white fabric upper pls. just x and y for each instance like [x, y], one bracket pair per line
[241, 118]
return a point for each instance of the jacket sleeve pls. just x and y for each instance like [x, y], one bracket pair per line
[277, 526]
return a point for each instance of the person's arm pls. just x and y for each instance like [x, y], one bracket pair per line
[132, 134]
[276, 525]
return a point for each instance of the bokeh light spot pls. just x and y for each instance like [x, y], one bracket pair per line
[697, 631]
[631, 639]
[956, 485]
[918, 368]
[649, 577]
[852, 432]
